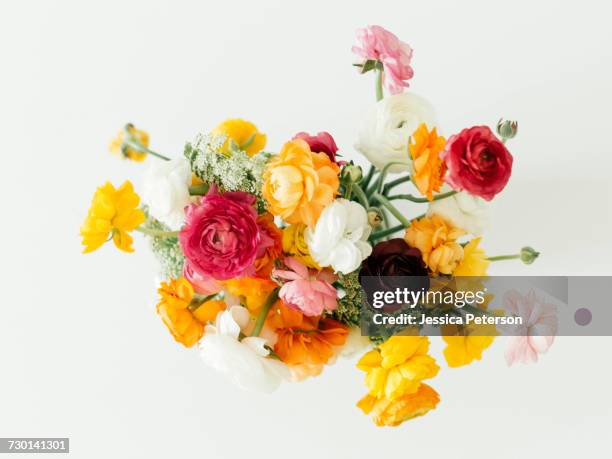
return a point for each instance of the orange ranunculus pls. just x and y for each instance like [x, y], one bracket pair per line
[429, 169]
[243, 133]
[253, 291]
[437, 241]
[208, 310]
[270, 247]
[173, 308]
[387, 412]
[298, 183]
[305, 341]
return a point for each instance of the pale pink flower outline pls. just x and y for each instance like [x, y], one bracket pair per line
[537, 333]
[377, 43]
[309, 291]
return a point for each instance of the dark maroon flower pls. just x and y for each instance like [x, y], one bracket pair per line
[323, 142]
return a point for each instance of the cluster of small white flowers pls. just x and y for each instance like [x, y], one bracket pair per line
[167, 251]
[235, 171]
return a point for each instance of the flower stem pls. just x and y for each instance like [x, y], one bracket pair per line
[391, 208]
[378, 184]
[141, 148]
[393, 183]
[379, 87]
[198, 190]
[261, 318]
[409, 197]
[368, 177]
[504, 257]
[386, 232]
[361, 196]
[157, 233]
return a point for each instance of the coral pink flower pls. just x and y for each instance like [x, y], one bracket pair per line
[537, 333]
[377, 43]
[478, 162]
[323, 142]
[307, 291]
[203, 285]
[221, 236]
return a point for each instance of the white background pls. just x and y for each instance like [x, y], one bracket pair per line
[82, 352]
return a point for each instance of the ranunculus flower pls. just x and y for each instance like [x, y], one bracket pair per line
[378, 44]
[437, 240]
[294, 244]
[308, 291]
[340, 237]
[323, 142]
[470, 213]
[539, 328]
[474, 262]
[478, 162]
[165, 189]
[298, 183]
[243, 133]
[221, 236]
[389, 262]
[246, 362]
[384, 135]
[428, 167]
[393, 412]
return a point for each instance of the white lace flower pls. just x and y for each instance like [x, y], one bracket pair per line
[165, 189]
[246, 362]
[463, 210]
[384, 135]
[340, 236]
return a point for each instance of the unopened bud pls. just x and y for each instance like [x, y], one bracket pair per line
[352, 172]
[375, 218]
[529, 255]
[507, 129]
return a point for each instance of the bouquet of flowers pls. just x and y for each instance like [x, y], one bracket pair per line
[261, 252]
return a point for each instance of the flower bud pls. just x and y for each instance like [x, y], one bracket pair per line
[375, 218]
[507, 129]
[529, 255]
[352, 172]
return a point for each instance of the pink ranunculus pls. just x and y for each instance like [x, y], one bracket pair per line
[203, 285]
[323, 142]
[377, 43]
[220, 236]
[478, 162]
[538, 330]
[307, 291]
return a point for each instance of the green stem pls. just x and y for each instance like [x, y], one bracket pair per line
[504, 257]
[368, 177]
[141, 148]
[348, 190]
[199, 300]
[361, 196]
[409, 197]
[379, 87]
[198, 190]
[386, 232]
[391, 208]
[261, 318]
[393, 183]
[157, 233]
[378, 184]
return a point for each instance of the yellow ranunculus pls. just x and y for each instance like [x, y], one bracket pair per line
[398, 366]
[429, 168]
[387, 412]
[243, 133]
[116, 146]
[474, 262]
[173, 308]
[113, 213]
[295, 245]
[464, 349]
[437, 241]
[298, 183]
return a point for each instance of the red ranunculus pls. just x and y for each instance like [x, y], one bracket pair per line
[478, 162]
[221, 236]
[323, 142]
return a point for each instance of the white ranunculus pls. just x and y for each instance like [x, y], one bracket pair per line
[384, 135]
[463, 210]
[339, 239]
[246, 362]
[165, 189]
